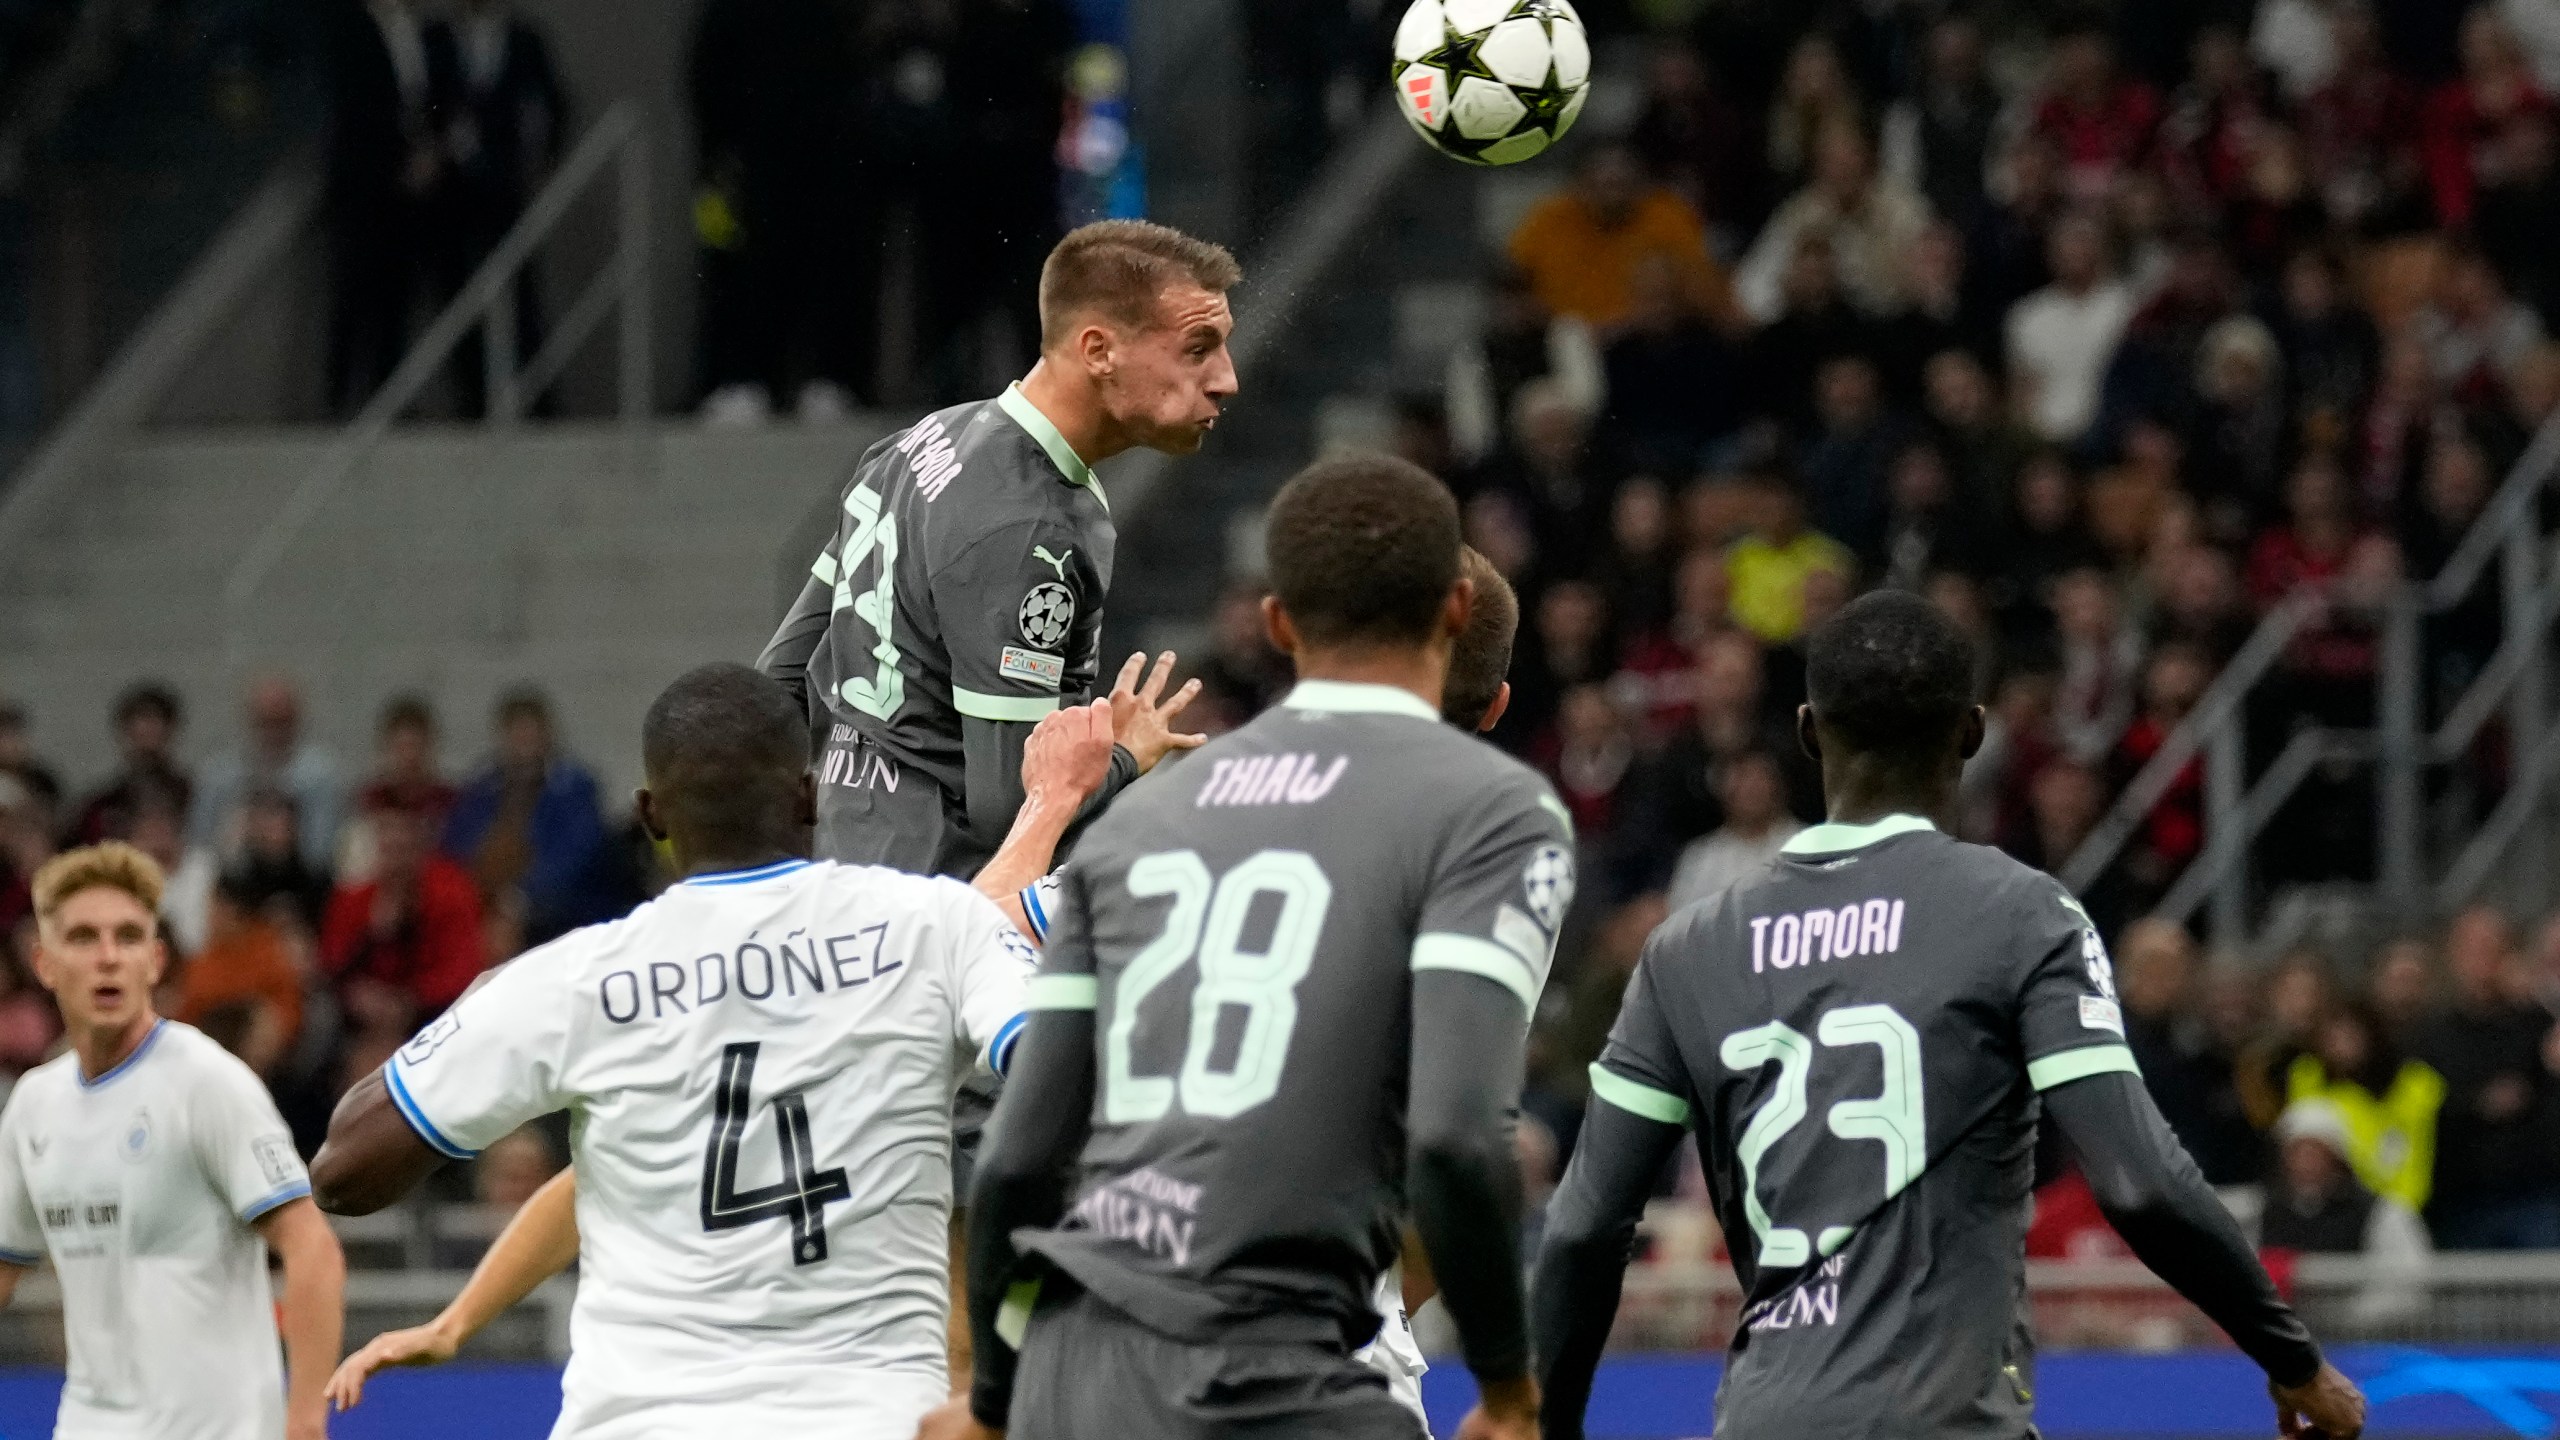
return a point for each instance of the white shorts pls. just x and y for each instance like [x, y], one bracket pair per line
[881, 1405]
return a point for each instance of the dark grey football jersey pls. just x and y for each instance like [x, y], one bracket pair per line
[1858, 1037]
[966, 577]
[1247, 926]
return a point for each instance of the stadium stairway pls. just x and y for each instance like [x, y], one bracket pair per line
[457, 564]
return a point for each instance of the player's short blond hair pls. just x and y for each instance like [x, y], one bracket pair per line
[112, 864]
[1120, 267]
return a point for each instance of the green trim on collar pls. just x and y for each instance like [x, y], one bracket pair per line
[1061, 454]
[1348, 697]
[1830, 839]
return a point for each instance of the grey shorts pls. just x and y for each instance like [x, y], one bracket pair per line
[1089, 1372]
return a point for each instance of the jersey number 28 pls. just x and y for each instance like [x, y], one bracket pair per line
[1895, 1118]
[1207, 919]
[803, 1193]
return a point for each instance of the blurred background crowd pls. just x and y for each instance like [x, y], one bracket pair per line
[2106, 330]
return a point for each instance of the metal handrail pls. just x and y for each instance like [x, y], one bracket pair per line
[2221, 701]
[2503, 531]
[488, 298]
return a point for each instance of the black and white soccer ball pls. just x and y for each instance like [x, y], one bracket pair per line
[1491, 82]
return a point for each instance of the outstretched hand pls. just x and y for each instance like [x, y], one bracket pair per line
[1142, 721]
[1505, 1410]
[426, 1344]
[2327, 1405]
[1068, 755]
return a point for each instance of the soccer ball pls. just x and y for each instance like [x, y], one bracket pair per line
[1491, 82]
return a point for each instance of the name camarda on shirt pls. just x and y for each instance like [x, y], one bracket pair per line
[1861, 927]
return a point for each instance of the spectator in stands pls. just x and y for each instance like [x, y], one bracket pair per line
[1936, 317]
[25, 844]
[269, 864]
[2101, 122]
[405, 775]
[2331, 350]
[1691, 136]
[1242, 674]
[2006, 243]
[1984, 447]
[1521, 341]
[1848, 461]
[2391, 1102]
[1551, 471]
[2065, 801]
[2460, 640]
[2477, 335]
[1636, 570]
[530, 823]
[2401, 984]
[1589, 757]
[401, 946]
[19, 761]
[1817, 325]
[2361, 130]
[1871, 221]
[243, 986]
[1675, 382]
[2101, 665]
[1580, 246]
[2321, 543]
[1937, 139]
[386, 168]
[1927, 535]
[2238, 441]
[1768, 565]
[502, 126]
[2498, 1145]
[2318, 1204]
[1568, 646]
[277, 755]
[2198, 603]
[2183, 1064]
[2472, 123]
[2061, 337]
[2519, 210]
[2297, 41]
[1815, 93]
[790, 248]
[147, 718]
[2172, 834]
[1756, 824]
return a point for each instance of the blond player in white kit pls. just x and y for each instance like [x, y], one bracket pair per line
[760, 1067]
[149, 1165]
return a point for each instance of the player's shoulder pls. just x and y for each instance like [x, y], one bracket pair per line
[881, 885]
[202, 1066]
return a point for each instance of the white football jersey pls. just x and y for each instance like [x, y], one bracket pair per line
[759, 1067]
[141, 1185]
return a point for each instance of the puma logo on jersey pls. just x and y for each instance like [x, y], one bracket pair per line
[1055, 562]
[1270, 780]
[930, 457]
[1870, 927]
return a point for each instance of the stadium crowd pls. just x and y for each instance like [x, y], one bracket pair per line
[2109, 331]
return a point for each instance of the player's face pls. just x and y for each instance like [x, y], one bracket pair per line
[1172, 378]
[100, 955]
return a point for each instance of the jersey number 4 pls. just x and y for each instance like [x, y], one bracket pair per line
[1208, 919]
[1895, 1119]
[803, 1193]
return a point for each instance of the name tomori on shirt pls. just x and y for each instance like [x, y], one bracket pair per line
[1861, 927]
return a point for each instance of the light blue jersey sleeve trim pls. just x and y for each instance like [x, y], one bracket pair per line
[20, 1259]
[285, 1196]
[417, 1118]
[1036, 913]
[1000, 1051]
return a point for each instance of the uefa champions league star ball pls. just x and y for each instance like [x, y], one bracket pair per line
[1491, 82]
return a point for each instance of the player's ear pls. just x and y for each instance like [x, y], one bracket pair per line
[1974, 730]
[1808, 738]
[1493, 712]
[650, 823]
[1276, 627]
[1096, 348]
[1460, 604]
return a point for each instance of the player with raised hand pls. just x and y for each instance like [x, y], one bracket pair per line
[1923, 998]
[961, 597]
[760, 1064]
[1065, 761]
[1284, 1005]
